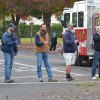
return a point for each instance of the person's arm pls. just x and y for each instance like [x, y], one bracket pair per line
[37, 41]
[7, 40]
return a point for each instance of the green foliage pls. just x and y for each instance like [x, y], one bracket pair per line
[25, 30]
[36, 13]
[1, 30]
[56, 28]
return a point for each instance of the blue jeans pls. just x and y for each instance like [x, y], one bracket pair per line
[43, 56]
[96, 62]
[9, 58]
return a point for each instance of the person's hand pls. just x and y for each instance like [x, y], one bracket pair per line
[45, 42]
[15, 53]
[76, 41]
[16, 41]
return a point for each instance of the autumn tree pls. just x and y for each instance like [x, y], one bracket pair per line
[23, 8]
[3, 12]
[20, 9]
[51, 7]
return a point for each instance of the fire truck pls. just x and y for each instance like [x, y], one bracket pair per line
[85, 15]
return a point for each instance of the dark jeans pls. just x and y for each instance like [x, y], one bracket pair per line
[96, 62]
[53, 47]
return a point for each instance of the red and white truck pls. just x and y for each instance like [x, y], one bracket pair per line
[85, 15]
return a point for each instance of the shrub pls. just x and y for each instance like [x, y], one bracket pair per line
[25, 30]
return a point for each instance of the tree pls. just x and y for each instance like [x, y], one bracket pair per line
[3, 12]
[20, 8]
[51, 7]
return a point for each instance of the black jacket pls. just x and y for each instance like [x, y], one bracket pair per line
[96, 38]
[54, 40]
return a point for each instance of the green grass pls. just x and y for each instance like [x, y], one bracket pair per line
[87, 84]
[59, 41]
[28, 40]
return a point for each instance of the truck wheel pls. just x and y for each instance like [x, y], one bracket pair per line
[83, 60]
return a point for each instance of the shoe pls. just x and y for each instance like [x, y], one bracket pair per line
[9, 81]
[97, 75]
[40, 80]
[52, 80]
[70, 78]
[94, 78]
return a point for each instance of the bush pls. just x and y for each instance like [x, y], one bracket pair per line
[25, 30]
[1, 30]
[57, 28]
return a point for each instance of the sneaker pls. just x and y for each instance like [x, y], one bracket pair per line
[97, 75]
[9, 81]
[70, 78]
[40, 80]
[94, 78]
[52, 80]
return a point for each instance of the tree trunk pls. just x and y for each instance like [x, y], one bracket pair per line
[15, 20]
[47, 21]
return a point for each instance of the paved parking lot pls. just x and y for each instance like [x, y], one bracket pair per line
[27, 87]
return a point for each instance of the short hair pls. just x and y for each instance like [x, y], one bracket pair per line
[97, 28]
[42, 25]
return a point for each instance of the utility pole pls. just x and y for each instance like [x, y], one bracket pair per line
[90, 24]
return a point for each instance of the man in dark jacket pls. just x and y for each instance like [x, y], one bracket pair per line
[96, 61]
[53, 42]
[69, 47]
[9, 48]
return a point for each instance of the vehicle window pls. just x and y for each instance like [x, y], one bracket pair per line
[74, 19]
[66, 18]
[80, 19]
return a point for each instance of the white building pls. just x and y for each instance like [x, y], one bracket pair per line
[40, 21]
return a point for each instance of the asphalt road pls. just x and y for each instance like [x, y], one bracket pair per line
[27, 87]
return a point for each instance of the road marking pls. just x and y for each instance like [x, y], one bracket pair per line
[31, 66]
[44, 76]
[1, 63]
[67, 82]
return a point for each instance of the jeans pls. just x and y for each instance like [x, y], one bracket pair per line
[96, 62]
[43, 56]
[9, 58]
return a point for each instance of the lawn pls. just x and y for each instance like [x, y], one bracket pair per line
[28, 40]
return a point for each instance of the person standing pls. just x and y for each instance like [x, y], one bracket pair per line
[42, 49]
[9, 48]
[53, 42]
[69, 47]
[96, 61]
